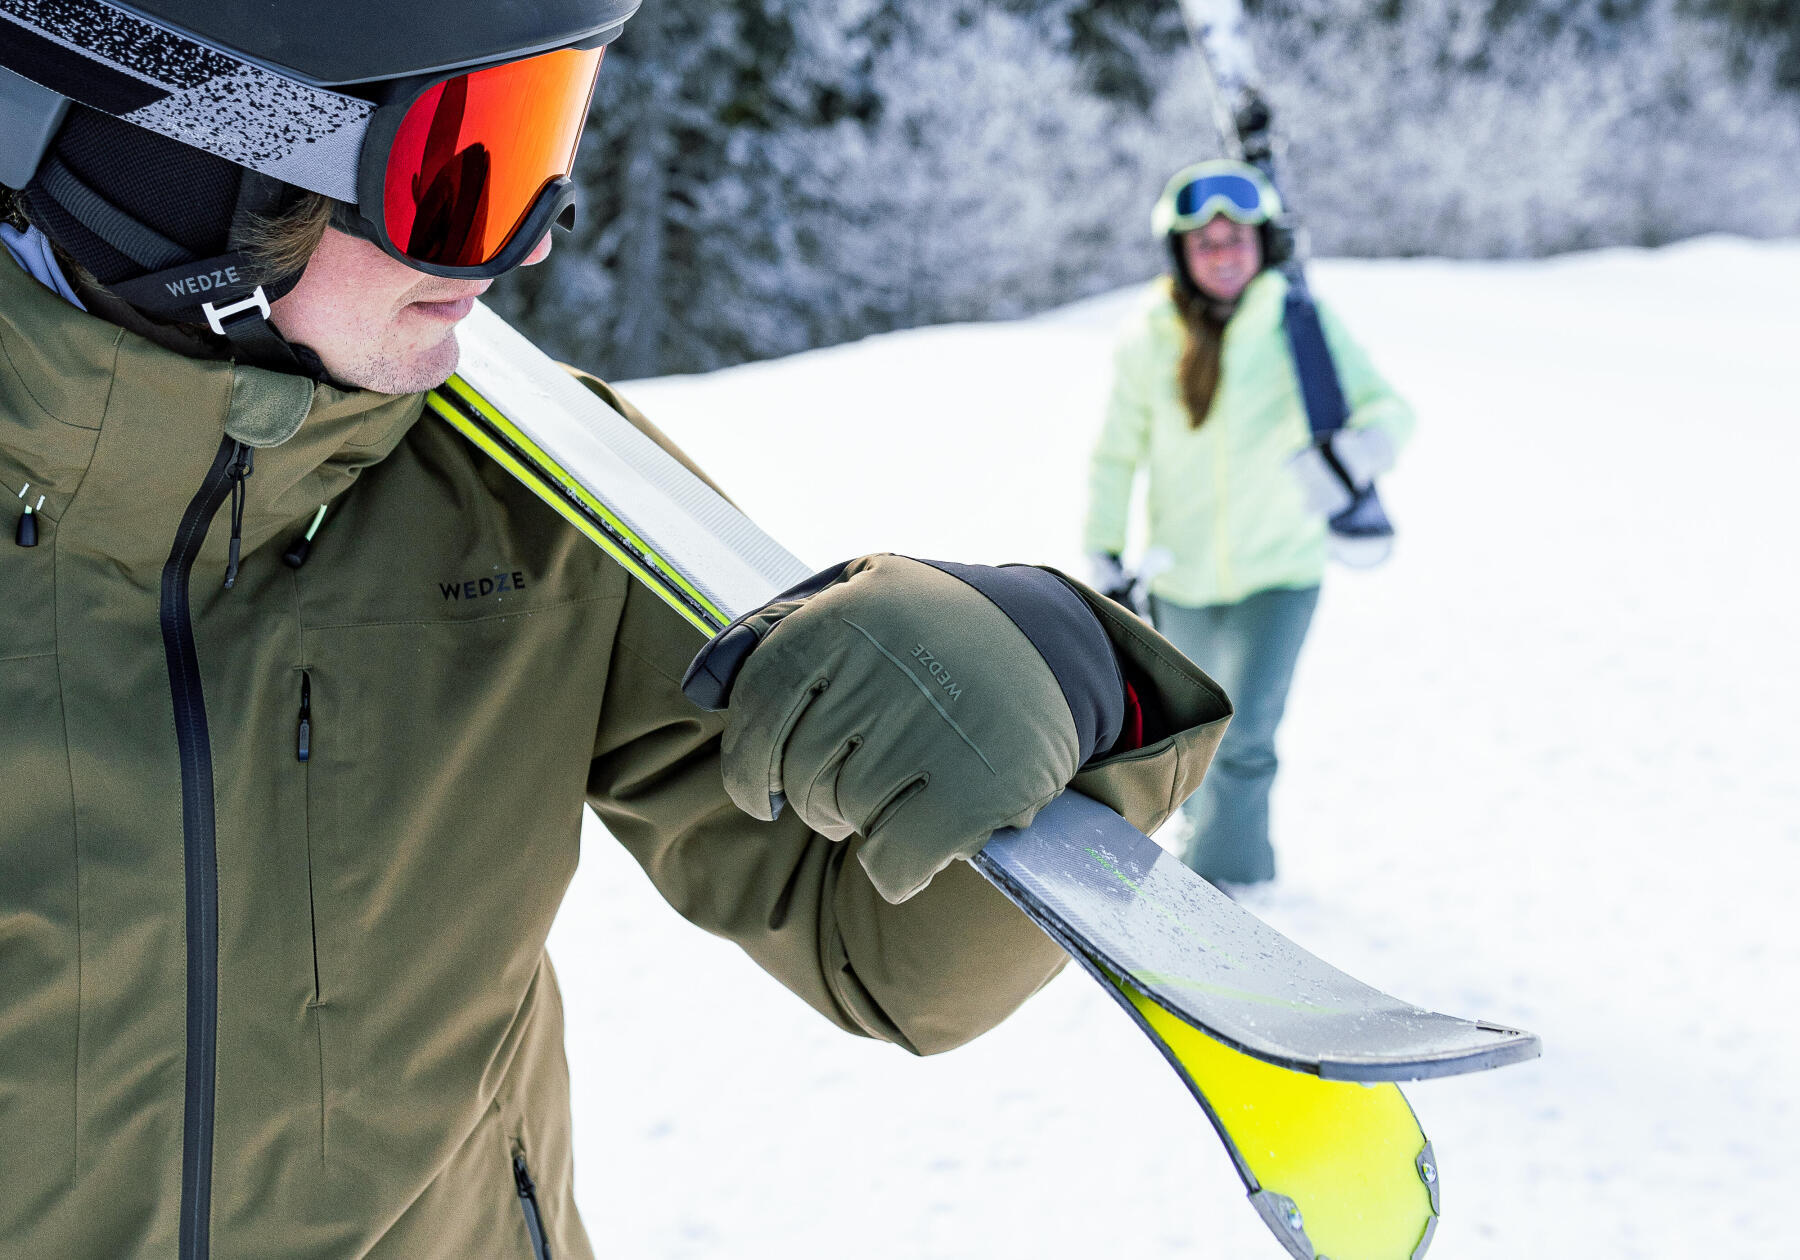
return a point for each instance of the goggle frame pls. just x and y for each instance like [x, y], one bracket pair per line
[554, 204]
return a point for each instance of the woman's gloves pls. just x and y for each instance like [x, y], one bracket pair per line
[1334, 469]
[923, 705]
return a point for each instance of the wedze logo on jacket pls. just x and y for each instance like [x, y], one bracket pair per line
[479, 588]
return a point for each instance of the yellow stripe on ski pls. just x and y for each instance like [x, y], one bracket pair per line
[576, 490]
[1351, 1157]
[547, 479]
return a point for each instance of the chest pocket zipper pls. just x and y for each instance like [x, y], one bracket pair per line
[528, 1203]
[303, 730]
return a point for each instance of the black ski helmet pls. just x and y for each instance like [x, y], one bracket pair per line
[145, 141]
[1238, 190]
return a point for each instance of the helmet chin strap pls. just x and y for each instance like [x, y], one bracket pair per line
[224, 293]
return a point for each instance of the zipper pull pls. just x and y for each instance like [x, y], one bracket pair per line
[239, 472]
[295, 556]
[303, 739]
[27, 535]
[534, 1212]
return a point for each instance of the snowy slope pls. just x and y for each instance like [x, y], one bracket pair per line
[1539, 769]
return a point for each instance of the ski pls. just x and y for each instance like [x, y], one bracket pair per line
[1293, 1061]
[1361, 534]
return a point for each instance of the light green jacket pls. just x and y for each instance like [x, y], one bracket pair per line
[1220, 498]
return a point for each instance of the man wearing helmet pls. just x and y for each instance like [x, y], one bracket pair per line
[302, 697]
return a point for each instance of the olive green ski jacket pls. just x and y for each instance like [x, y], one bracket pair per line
[277, 862]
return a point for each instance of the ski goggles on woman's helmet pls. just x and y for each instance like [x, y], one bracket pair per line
[460, 173]
[1200, 193]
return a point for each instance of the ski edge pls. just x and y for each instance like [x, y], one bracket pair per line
[1518, 1047]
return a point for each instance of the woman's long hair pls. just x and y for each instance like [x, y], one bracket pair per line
[1197, 374]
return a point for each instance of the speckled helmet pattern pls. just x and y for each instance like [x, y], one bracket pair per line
[165, 82]
[148, 142]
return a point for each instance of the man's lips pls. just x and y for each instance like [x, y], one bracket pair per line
[450, 311]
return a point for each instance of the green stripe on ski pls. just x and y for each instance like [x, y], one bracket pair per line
[538, 472]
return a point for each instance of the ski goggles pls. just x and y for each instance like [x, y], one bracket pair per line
[1235, 196]
[460, 173]
[1199, 194]
[463, 176]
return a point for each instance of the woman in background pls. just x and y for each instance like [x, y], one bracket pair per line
[1205, 395]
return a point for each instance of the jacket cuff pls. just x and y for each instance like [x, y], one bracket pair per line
[1184, 712]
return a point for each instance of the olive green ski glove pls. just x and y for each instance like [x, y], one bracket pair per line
[921, 704]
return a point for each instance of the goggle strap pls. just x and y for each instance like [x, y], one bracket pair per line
[163, 81]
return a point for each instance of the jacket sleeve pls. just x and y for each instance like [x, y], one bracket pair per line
[1123, 445]
[929, 974]
[1373, 402]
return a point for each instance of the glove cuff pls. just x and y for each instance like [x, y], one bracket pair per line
[1069, 637]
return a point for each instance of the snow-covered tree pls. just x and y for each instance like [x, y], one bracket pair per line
[763, 176]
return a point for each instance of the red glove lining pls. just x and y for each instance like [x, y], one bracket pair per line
[1131, 730]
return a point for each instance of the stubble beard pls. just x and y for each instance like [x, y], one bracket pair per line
[410, 372]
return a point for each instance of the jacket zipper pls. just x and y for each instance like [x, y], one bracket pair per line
[534, 1219]
[303, 735]
[199, 848]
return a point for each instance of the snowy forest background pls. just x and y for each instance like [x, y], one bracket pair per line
[766, 176]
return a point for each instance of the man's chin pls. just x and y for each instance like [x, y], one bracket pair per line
[402, 374]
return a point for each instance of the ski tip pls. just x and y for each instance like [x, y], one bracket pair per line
[1502, 1047]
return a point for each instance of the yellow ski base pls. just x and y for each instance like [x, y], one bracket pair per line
[1349, 1158]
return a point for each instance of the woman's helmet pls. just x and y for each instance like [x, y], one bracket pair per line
[1198, 193]
[149, 142]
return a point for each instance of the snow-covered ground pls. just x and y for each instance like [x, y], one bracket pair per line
[1540, 768]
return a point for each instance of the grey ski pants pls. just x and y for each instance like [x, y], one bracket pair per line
[1250, 648]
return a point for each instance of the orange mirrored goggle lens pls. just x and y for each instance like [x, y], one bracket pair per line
[474, 153]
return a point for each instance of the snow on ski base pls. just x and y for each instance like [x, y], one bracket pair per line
[1539, 769]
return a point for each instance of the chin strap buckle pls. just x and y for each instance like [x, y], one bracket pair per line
[216, 316]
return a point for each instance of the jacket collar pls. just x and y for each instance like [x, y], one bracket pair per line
[116, 433]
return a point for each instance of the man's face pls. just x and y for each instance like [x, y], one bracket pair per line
[1222, 256]
[374, 321]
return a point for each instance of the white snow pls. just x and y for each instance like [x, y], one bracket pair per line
[1539, 769]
